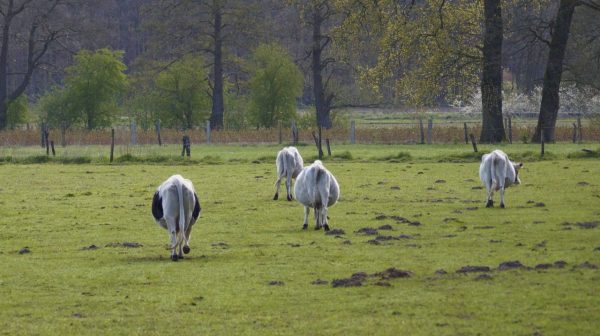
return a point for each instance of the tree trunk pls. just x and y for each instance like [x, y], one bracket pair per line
[321, 102]
[4, 69]
[216, 117]
[491, 83]
[552, 77]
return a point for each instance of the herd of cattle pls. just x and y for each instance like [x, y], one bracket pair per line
[175, 205]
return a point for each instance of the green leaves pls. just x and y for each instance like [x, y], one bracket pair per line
[181, 93]
[93, 85]
[276, 82]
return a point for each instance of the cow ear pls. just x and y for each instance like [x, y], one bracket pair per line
[157, 210]
[197, 207]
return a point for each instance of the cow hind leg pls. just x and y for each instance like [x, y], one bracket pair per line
[277, 185]
[502, 197]
[318, 218]
[490, 195]
[306, 213]
[288, 186]
[186, 246]
[324, 219]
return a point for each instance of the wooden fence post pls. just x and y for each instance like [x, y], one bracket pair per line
[421, 131]
[133, 127]
[579, 134]
[466, 135]
[328, 147]
[112, 144]
[46, 142]
[294, 133]
[63, 134]
[473, 142]
[352, 132]
[509, 129]
[280, 132]
[158, 132]
[52, 146]
[186, 145]
[542, 140]
[208, 131]
[429, 130]
[574, 133]
[43, 135]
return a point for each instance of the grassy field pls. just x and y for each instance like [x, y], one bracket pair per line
[81, 254]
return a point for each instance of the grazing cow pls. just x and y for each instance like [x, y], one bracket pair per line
[497, 172]
[316, 188]
[289, 164]
[175, 207]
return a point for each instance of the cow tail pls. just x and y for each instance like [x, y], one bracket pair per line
[182, 220]
[280, 165]
[493, 174]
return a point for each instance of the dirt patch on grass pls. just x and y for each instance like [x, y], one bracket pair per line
[335, 232]
[90, 248]
[124, 244]
[276, 283]
[508, 265]
[221, 245]
[385, 227]
[367, 231]
[24, 250]
[378, 278]
[581, 225]
[472, 269]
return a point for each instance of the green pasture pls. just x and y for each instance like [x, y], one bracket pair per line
[81, 254]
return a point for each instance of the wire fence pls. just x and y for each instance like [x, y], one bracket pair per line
[427, 131]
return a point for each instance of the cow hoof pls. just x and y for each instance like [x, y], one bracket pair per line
[489, 204]
[186, 250]
[326, 227]
[174, 257]
[502, 205]
[180, 256]
[317, 228]
[289, 198]
[276, 197]
[305, 226]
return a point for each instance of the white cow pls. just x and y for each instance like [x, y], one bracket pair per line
[497, 172]
[316, 188]
[175, 207]
[289, 164]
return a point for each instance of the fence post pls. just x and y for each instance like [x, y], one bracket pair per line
[112, 144]
[328, 147]
[510, 129]
[63, 134]
[280, 132]
[208, 131]
[542, 140]
[352, 132]
[574, 133]
[133, 133]
[421, 131]
[579, 134]
[186, 145]
[294, 133]
[46, 142]
[429, 130]
[43, 134]
[52, 146]
[158, 132]
[466, 136]
[473, 142]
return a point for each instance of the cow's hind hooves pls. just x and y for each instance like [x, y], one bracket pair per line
[276, 197]
[186, 250]
[326, 227]
[502, 205]
[289, 198]
[317, 228]
[489, 204]
[305, 226]
[174, 257]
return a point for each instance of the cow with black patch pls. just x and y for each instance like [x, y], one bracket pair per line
[175, 207]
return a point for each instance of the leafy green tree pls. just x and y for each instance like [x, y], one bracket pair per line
[181, 93]
[17, 112]
[94, 83]
[275, 83]
[56, 108]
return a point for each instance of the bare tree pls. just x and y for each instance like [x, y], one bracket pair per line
[29, 28]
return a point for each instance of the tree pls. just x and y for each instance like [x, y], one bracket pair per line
[30, 28]
[554, 68]
[94, 83]
[17, 111]
[181, 93]
[275, 83]
[491, 80]
[181, 27]
[55, 108]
